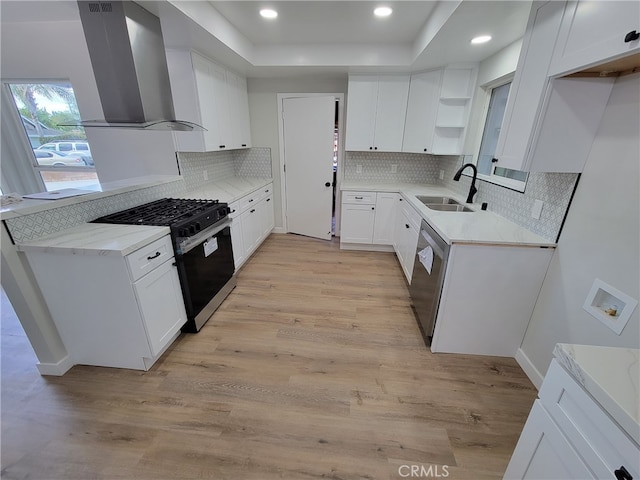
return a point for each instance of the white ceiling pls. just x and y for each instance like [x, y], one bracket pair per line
[326, 22]
[319, 37]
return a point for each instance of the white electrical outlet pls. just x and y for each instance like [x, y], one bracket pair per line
[394, 168]
[205, 175]
[441, 174]
[536, 210]
[358, 168]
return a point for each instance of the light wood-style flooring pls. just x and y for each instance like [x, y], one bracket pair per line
[313, 367]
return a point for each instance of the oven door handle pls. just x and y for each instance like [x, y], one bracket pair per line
[192, 242]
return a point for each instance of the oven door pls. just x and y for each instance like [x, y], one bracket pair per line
[206, 269]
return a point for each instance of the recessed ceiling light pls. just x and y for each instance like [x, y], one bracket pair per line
[481, 39]
[382, 12]
[268, 13]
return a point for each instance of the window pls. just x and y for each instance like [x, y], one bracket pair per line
[487, 170]
[60, 152]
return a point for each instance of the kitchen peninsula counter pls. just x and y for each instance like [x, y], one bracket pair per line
[479, 227]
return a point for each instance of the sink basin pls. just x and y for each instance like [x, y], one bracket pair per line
[448, 207]
[428, 200]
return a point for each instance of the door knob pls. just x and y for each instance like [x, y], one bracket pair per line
[631, 36]
[328, 184]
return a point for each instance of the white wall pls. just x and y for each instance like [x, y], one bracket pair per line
[600, 238]
[263, 108]
[57, 50]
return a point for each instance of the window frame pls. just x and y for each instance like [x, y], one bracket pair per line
[487, 91]
[24, 148]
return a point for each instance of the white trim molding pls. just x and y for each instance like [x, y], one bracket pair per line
[529, 368]
[55, 369]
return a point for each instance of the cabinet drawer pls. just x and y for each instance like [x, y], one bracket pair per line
[253, 198]
[359, 197]
[412, 214]
[587, 426]
[147, 258]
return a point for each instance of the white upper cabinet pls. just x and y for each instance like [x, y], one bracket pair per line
[549, 124]
[208, 94]
[376, 109]
[438, 111]
[594, 32]
[422, 108]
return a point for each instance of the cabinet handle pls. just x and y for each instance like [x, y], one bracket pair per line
[155, 256]
[244, 144]
[266, 191]
[406, 225]
[233, 211]
[268, 199]
[622, 474]
[250, 200]
[425, 149]
[359, 198]
[253, 210]
[370, 148]
[375, 148]
[222, 146]
[327, 184]
[400, 199]
[632, 36]
[373, 208]
[494, 160]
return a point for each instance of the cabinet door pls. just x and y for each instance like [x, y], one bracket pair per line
[266, 214]
[422, 107]
[251, 226]
[161, 305]
[221, 112]
[239, 111]
[593, 32]
[237, 243]
[361, 112]
[528, 87]
[398, 229]
[207, 102]
[385, 217]
[357, 223]
[391, 110]
[543, 451]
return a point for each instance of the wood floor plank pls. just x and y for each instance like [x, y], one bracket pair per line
[313, 367]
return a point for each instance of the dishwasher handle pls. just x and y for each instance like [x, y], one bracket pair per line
[428, 235]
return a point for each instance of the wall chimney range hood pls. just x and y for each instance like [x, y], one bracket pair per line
[130, 67]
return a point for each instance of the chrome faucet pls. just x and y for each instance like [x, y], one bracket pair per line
[472, 189]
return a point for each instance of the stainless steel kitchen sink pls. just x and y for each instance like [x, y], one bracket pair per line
[427, 200]
[448, 207]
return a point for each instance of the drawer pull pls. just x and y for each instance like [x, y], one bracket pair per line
[359, 198]
[250, 200]
[155, 256]
[252, 210]
[622, 474]
[268, 199]
[406, 225]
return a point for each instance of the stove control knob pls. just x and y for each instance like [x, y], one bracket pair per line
[192, 229]
[198, 227]
[182, 232]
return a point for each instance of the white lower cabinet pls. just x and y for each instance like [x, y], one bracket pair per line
[487, 298]
[253, 221]
[568, 435]
[368, 218]
[406, 231]
[110, 310]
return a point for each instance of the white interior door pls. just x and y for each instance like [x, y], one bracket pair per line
[308, 157]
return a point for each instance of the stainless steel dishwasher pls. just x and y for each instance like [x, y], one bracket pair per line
[426, 286]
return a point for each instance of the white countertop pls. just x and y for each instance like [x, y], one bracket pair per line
[97, 239]
[228, 190]
[482, 227]
[28, 206]
[611, 375]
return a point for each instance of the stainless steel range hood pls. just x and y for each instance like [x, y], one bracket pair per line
[128, 59]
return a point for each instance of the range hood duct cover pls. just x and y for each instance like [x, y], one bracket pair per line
[128, 59]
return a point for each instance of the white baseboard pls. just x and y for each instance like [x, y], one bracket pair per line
[366, 247]
[527, 365]
[55, 369]
[278, 230]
